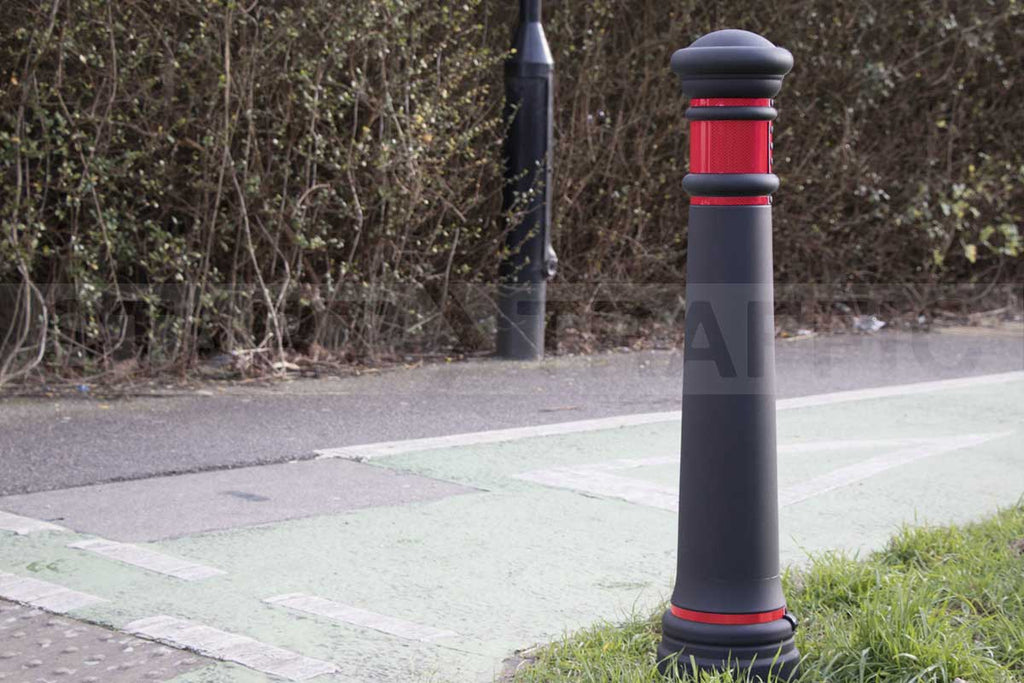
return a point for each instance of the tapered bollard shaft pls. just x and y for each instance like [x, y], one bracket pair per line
[528, 261]
[727, 608]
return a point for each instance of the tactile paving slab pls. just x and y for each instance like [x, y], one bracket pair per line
[39, 647]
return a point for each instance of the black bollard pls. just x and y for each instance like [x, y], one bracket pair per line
[727, 609]
[529, 260]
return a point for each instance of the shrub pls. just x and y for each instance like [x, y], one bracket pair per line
[190, 176]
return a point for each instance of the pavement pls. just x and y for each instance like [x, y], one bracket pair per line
[422, 525]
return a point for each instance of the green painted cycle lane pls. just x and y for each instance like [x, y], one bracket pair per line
[520, 562]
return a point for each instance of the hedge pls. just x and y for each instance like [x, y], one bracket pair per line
[183, 178]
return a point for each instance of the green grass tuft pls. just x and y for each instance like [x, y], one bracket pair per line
[935, 605]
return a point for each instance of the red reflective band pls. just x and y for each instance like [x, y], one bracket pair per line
[730, 201]
[730, 146]
[730, 102]
[728, 619]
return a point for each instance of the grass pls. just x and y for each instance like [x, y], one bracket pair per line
[937, 604]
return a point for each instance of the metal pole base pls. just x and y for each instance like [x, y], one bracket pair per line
[759, 649]
[521, 320]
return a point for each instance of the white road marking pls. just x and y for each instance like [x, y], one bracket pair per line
[897, 390]
[597, 480]
[851, 474]
[852, 444]
[230, 647]
[147, 559]
[383, 449]
[310, 604]
[591, 481]
[25, 525]
[632, 463]
[380, 450]
[42, 594]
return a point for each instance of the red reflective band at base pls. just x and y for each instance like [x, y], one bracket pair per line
[730, 102]
[730, 201]
[728, 619]
[730, 147]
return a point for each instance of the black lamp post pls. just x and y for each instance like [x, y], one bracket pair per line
[529, 260]
[727, 609]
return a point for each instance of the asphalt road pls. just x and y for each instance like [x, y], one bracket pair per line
[53, 444]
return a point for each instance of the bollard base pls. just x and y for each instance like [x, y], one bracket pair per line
[760, 649]
[521, 309]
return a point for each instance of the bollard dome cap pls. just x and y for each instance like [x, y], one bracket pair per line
[732, 63]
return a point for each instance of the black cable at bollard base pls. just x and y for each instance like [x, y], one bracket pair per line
[529, 261]
[727, 609]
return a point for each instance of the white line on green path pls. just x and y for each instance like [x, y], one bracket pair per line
[897, 390]
[42, 594]
[379, 450]
[321, 607]
[596, 479]
[844, 476]
[230, 647]
[590, 479]
[147, 559]
[25, 525]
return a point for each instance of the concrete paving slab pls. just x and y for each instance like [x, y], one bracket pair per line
[152, 509]
[39, 646]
